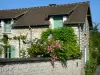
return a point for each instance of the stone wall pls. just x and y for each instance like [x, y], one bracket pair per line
[84, 41]
[39, 67]
[36, 33]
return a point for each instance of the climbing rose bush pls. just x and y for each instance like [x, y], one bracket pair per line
[51, 48]
[54, 49]
[62, 45]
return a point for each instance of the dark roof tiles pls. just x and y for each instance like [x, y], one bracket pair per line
[79, 14]
[38, 15]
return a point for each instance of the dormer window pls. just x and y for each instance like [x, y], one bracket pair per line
[6, 26]
[57, 21]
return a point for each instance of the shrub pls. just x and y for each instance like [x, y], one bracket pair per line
[90, 67]
[65, 34]
[63, 44]
[0, 52]
[68, 37]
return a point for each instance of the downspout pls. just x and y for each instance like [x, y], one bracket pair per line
[30, 35]
[79, 31]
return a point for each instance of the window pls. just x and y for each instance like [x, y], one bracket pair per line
[7, 27]
[58, 21]
[9, 52]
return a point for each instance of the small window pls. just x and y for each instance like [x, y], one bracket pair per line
[7, 27]
[58, 21]
[8, 52]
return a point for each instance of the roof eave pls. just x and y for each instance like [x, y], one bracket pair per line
[74, 22]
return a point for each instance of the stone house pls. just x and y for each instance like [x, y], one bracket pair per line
[16, 22]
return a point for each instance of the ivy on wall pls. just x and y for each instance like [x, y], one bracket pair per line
[94, 52]
[19, 38]
[65, 34]
[5, 43]
[65, 47]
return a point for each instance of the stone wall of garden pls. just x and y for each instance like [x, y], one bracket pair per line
[39, 66]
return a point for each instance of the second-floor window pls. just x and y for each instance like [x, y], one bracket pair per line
[7, 27]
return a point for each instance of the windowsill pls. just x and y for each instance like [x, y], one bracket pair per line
[6, 33]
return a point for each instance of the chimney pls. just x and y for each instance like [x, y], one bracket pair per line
[52, 4]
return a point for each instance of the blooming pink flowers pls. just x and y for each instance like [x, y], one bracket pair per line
[51, 47]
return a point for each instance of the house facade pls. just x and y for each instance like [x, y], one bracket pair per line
[33, 21]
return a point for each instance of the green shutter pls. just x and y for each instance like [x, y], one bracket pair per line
[7, 28]
[4, 27]
[12, 51]
[58, 21]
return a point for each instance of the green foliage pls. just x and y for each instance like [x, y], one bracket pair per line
[94, 50]
[1, 48]
[0, 51]
[68, 37]
[5, 39]
[51, 48]
[67, 40]
[45, 34]
[23, 53]
[21, 37]
[34, 50]
[90, 67]
[72, 49]
[65, 34]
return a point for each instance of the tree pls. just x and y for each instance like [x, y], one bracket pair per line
[4, 43]
[19, 38]
[94, 50]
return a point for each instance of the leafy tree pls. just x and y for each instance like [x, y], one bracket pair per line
[94, 48]
[5, 43]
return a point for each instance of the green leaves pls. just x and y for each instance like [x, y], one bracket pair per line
[0, 51]
[5, 39]
[90, 67]
[65, 34]
[22, 37]
[72, 50]
[62, 45]
[94, 51]
[68, 37]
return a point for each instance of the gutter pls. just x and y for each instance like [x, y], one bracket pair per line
[79, 31]
[73, 22]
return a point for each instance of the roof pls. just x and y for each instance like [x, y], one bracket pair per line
[38, 15]
[79, 14]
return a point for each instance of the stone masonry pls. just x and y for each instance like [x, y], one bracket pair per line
[72, 67]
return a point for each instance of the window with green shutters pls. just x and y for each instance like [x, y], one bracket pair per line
[10, 52]
[7, 27]
[58, 21]
[7, 52]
